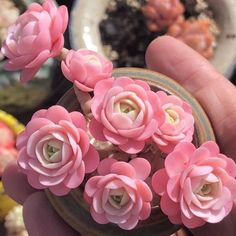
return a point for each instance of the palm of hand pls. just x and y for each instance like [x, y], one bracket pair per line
[212, 90]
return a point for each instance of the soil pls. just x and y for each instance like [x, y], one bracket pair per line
[124, 33]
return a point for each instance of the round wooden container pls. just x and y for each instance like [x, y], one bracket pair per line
[72, 207]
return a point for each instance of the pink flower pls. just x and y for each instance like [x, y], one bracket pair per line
[197, 185]
[85, 68]
[7, 137]
[126, 113]
[162, 13]
[178, 125]
[120, 195]
[6, 156]
[54, 150]
[36, 36]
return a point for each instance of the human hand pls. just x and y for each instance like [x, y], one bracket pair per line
[215, 93]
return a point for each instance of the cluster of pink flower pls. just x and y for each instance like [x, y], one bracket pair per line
[196, 185]
[168, 15]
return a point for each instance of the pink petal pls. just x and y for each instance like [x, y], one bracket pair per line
[99, 218]
[59, 190]
[132, 146]
[28, 74]
[114, 138]
[104, 166]
[75, 179]
[131, 133]
[91, 160]
[188, 148]
[219, 215]
[39, 114]
[159, 181]
[192, 223]
[200, 170]
[169, 207]
[123, 168]
[200, 155]
[145, 212]
[142, 167]
[199, 212]
[185, 209]
[176, 162]
[120, 121]
[91, 185]
[39, 60]
[143, 84]
[82, 86]
[130, 223]
[212, 147]
[78, 120]
[57, 113]
[173, 188]
[51, 180]
[118, 219]
[188, 192]
[36, 124]
[176, 219]
[123, 81]
[97, 202]
[96, 129]
[102, 87]
[33, 179]
[144, 191]
[149, 130]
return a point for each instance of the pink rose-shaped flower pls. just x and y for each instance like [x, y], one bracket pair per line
[120, 195]
[178, 125]
[162, 13]
[197, 185]
[54, 150]
[126, 113]
[85, 68]
[7, 137]
[36, 36]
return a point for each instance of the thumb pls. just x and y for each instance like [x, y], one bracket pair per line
[216, 94]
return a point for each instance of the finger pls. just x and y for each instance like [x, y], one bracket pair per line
[215, 93]
[16, 184]
[41, 219]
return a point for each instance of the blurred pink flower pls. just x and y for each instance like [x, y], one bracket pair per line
[6, 156]
[162, 13]
[54, 150]
[197, 185]
[178, 125]
[85, 68]
[36, 36]
[126, 113]
[120, 195]
[7, 137]
[197, 34]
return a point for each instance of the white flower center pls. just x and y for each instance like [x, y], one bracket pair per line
[92, 59]
[52, 151]
[208, 189]
[127, 105]
[118, 197]
[172, 116]
[205, 190]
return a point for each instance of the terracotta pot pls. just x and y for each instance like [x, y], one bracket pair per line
[86, 16]
[72, 207]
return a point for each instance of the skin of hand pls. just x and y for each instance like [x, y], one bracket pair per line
[217, 96]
